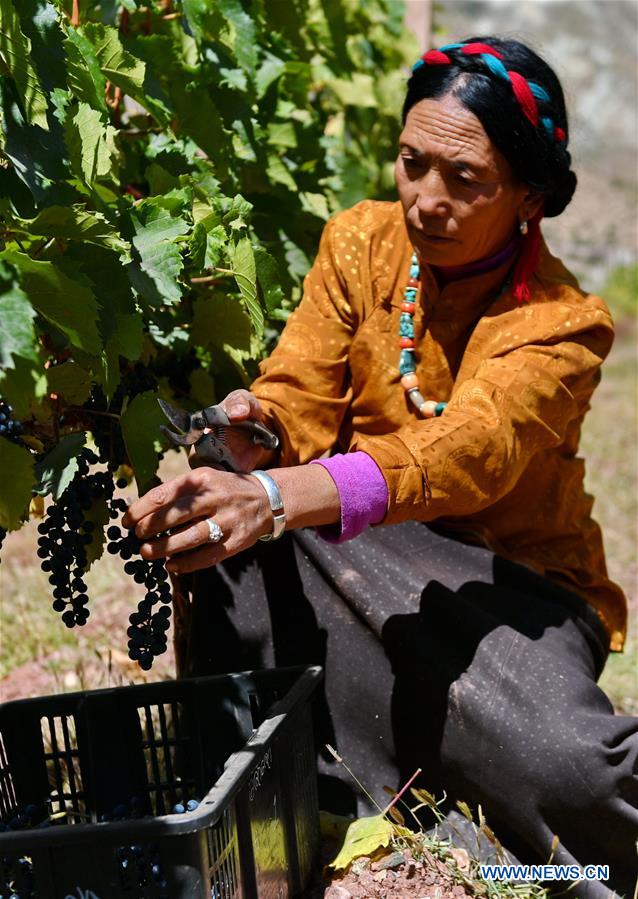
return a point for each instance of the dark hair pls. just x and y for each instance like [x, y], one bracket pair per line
[537, 158]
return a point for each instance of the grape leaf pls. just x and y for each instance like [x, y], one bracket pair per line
[245, 272]
[84, 76]
[24, 386]
[269, 279]
[140, 424]
[98, 513]
[358, 91]
[15, 54]
[157, 224]
[65, 302]
[74, 223]
[270, 69]
[70, 381]
[277, 172]
[17, 337]
[116, 64]
[363, 837]
[128, 335]
[243, 33]
[16, 464]
[202, 388]
[282, 134]
[55, 472]
[316, 205]
[197, 246]
[90, 142]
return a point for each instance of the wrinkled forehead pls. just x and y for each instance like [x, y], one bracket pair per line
[445, 129]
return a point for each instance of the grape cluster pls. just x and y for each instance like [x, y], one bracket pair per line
[140, 866]
[65, 534]
[16, 877]
[150, 622]
[9, 426]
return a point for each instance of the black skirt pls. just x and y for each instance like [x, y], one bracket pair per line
[442, 656]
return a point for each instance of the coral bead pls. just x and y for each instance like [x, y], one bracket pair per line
[406, 343]
[409, 381]
[408, 307]
[428, 409]
[413, 282]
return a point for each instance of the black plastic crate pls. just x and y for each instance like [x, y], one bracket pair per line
[89, 783]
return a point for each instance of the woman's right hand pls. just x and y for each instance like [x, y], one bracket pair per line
[242, 405]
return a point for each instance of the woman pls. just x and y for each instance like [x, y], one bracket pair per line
[434, 378]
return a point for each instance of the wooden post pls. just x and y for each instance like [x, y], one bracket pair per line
[418, 18]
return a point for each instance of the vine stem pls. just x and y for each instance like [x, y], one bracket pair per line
[93, 412]
[208, 279]
[75, 14]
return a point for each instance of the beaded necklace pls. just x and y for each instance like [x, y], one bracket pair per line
[407, 361]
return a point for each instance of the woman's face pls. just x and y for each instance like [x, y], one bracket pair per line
[461, 200]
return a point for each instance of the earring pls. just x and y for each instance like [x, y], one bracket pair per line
[523, 227]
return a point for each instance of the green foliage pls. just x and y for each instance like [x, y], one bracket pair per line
[166, 169]
[621, 291]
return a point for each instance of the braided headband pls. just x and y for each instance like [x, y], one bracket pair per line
[526, 92]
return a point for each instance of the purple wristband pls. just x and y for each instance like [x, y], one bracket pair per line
[362, 490]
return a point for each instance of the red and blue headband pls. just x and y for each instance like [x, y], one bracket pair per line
[526, 92]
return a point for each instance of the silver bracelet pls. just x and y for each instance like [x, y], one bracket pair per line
[276, 504]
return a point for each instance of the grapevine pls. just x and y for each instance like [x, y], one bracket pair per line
[165, 181]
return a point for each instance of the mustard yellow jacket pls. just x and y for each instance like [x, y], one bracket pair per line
[500, 465]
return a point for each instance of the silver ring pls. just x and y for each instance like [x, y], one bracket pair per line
[215, 533]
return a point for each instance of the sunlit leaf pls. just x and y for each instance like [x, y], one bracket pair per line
[55, 472]
[15, 55]
[16, 489]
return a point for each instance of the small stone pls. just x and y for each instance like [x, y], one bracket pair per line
[395, 860]
[337, 892]
[461, 858]
[380, 875]
[360, 864]
[410, 870]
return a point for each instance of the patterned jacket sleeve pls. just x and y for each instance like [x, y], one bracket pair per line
[519, 399]
[304, 385]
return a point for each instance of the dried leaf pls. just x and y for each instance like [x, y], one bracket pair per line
[396, 815]
[465, 809]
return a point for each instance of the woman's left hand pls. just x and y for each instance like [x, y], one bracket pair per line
[237, 502]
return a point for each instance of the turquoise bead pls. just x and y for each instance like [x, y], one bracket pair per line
[410, 294]
[406, 328]
[439, 408]
[406, 362]
[414, 271]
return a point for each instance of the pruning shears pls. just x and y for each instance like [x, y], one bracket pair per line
[206, 431]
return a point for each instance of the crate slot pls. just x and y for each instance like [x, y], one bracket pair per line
[260, 703]
[63, 764]
[164, 744]
[8, 800]
[223, 853]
